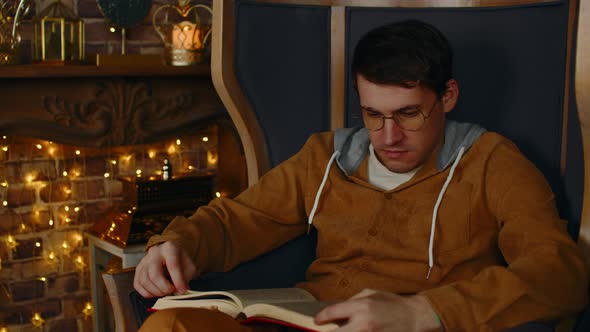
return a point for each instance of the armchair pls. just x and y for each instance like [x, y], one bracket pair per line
[517, 78]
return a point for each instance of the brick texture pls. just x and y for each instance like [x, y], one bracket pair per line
[20, 197]
[27, 290]
[56, 191]
[64, 284]
[62, 325]
[28, 249]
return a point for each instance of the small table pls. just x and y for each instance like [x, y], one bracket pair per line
[100, 253]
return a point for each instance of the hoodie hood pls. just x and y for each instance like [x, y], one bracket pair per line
[353, 144]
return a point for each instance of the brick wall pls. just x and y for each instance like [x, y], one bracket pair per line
[49, 195]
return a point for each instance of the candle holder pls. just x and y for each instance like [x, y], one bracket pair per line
[184, 32]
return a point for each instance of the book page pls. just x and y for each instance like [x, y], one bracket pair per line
[271, 295]
[226, 306]
[232, 302]
[297, 313]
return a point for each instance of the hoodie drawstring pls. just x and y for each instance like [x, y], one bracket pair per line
[319, 193]
[435, 212]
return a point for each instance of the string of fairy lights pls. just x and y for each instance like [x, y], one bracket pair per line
[54, 222]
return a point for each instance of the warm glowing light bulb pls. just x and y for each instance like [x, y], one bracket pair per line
[50, 222]
[112, 29]
[67, 208]
[5, 184]
[106, 175]
[205, 139]
[78, 237]
[51, 150]
[218, 194]
[5, 203]
[178, 142]
[114, 162]
[87, 311]
[39, 146]
[190, 167]
[76, 209]
[43, 279]
[172, 149]
[51, 256]
[78, 152]
[11, 242]
[4, 137]
[37, 244]
[37, 320]
[5, 148]
[65, 245]
[30, 177]
[65, 173]
[152, 154]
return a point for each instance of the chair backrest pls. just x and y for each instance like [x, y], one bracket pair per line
[281, 70]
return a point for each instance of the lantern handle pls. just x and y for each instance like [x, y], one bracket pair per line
[19, 10]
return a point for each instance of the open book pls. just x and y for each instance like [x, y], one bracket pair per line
[284, 306]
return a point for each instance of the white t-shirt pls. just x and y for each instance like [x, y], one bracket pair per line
[381, 177]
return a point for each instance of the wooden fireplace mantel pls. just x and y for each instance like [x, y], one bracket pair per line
[103, 106]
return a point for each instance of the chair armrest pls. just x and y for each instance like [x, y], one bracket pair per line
[119, 284]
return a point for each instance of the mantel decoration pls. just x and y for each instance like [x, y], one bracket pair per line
[184, 32]
[11, 13]
[58, 35]
[124, 14]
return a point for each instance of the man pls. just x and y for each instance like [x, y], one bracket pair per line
[423, 224]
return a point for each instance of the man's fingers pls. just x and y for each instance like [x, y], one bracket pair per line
[158, 278]
[143, 292]
[176, 274]
[338, 311]
[364, 293]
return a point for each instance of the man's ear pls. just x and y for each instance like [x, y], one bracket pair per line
[450, 96]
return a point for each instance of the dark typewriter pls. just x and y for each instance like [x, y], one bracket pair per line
[150, 206]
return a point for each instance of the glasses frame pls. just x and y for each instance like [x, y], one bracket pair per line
[393, 118]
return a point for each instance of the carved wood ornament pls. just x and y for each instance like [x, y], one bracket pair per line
[108, 111]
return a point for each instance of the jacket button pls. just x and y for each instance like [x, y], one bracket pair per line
[388, 195]
[344, 282]
[373, 231]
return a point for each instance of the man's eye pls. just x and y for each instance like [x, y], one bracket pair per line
[408, 113]
[373, 115]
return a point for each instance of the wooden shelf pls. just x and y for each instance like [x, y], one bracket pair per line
[70, 70]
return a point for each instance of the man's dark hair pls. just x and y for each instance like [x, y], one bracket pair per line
[405, 53]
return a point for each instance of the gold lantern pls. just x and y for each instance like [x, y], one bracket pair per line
[58, 36]
[184, 32]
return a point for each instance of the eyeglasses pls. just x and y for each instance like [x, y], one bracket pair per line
[411, 119]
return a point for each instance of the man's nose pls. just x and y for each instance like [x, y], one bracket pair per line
[391, 131]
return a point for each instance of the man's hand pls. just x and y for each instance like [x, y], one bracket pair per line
[372, 310]
[151, 275]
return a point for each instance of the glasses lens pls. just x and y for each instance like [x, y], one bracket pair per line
[410, 123]
[373, 122]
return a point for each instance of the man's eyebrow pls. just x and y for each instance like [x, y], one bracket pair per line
[405, 108]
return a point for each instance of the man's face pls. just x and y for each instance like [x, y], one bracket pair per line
[398, 149]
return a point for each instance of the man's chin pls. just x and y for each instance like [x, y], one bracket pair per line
[398, 167]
